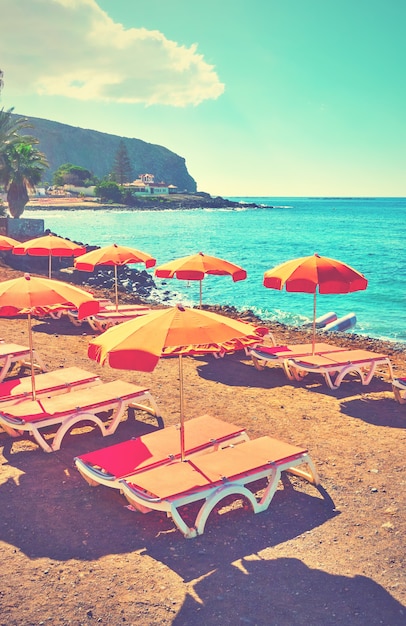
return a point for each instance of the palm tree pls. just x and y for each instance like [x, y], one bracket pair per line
[22, 169]
[10, 125]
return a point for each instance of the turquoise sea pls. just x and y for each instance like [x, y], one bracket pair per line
[366, 233]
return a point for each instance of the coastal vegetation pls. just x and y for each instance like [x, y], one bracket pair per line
[21, 163]
[23, 166]
[69, 174]
[122, 168]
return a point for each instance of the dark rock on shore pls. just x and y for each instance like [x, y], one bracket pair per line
[130, 281]
[198, 200]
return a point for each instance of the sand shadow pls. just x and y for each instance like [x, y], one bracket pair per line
[285, 592]
[62, 326]
[376, 411]
[48, 510]
[236, 371]
[238, 532]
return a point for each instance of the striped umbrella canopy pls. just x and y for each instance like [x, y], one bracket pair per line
[113, 255]
[197, 266]
[28, 293]
[315, 273]
[50, 246]
[140, 343]
[8, 243]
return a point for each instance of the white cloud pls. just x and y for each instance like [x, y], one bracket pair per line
[72, 48]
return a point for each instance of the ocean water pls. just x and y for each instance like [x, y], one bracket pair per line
[366, 233]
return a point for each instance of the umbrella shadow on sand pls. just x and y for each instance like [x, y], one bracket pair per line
[236, 370]
[286, 591]
[376, 411]
[62, 326]
[49, 511]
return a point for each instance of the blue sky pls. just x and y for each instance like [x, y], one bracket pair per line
[292, 98]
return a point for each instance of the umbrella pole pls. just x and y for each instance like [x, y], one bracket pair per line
[182, 417]
[49, 266]
[201, 290]
[314, 322]
[116, 286]
[31, 357]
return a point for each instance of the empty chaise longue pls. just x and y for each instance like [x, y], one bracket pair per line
[280, 355]
[335, 366]
[220, 461]
[68, 410]
[229, 472]
[56, 382]
[107, 466]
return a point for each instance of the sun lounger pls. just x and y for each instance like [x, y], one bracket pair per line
[245, 343]
[13, 355]
[108, 307]
[67, 410]
[106, 319]
[280, 355]
[335, 366]
[210, 478]
[49, 384]
[204, 434]
[399, 389]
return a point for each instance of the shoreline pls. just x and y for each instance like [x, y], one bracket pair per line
[286, 331]
[73, 204]
[80, 279]
[154, 203]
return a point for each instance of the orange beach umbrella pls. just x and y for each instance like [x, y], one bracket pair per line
[197, 266]
[8, 243]
[113, 255]
[312, 273]
[26, 293]
[49, 245]
[140, 343]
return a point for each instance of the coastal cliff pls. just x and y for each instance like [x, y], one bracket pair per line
[95, 151]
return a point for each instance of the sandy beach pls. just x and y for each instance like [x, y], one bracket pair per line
[72, 554]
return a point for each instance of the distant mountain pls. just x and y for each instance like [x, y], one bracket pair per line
[96, 151]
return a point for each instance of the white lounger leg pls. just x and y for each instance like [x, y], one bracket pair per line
[152, 409]
[75, 419]
[5, 367]
[217, 496]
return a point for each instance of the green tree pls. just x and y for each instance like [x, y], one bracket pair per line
[68, 174]
[109, 191]
[122, 170]
[22, 169]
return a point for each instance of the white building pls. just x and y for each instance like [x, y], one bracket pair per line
[146, 185]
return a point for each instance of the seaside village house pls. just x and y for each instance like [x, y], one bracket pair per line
[146, 185]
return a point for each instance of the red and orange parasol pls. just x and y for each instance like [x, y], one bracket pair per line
[197, 266]
[312, 273]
